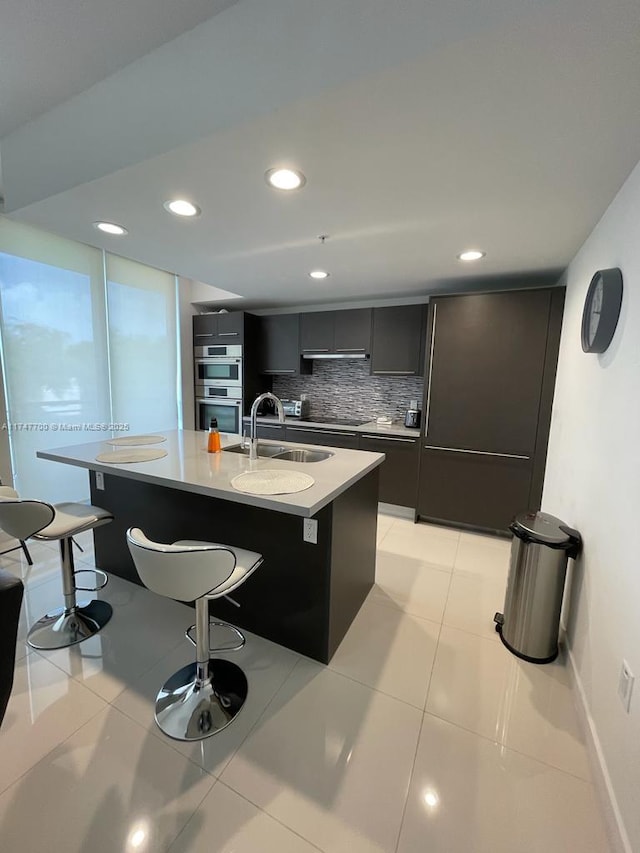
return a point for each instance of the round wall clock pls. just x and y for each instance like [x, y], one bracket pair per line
[601, 310]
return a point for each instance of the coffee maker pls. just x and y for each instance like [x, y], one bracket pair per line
[412, 416]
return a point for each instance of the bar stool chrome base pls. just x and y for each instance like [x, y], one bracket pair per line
[189, 707]
[66, 627]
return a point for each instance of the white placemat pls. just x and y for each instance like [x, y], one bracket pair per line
[132, 440]
[272, 481]
[131, 455]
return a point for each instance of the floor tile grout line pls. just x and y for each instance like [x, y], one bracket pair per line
[444, 610]
[277, 819]
[372, 603]
[510, 748]
[415, 754]
[264, 811]
[53, 748]
[398, 609]
[471, 633]
[375, 689]
[215, 782]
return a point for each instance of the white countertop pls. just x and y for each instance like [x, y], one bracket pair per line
[189, 467]
[371, 428]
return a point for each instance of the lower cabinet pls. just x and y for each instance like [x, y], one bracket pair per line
[478, 489]
[399, 471]
[274, 432]
[331, 438]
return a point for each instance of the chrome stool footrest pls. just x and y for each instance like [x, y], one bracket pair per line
[241, 637]
[105, 580]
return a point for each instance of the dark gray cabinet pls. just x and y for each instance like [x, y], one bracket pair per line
[353, 331]
[274, 432]
[329, 437]
[475, 489]
[317, 331]
[488, 399]
[336, 332]
[218, 329]
[398, 342]
[399, 471]
[279, 348]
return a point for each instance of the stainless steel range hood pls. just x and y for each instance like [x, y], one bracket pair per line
[327, 355]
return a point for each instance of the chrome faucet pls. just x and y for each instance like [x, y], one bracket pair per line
[253, 440]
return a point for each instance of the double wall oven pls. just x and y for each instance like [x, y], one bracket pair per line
[218, 386]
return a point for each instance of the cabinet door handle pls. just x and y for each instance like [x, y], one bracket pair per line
[314, 349]
[322, 431]
[204, 335]
[431, 348]
[391, 438]
[228, 334]
[350, 349]
[476, 452]
[396, 372]
[271, 426]
[279, 371]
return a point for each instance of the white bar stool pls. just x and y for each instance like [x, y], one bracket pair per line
[8, 492]
[203, 697]
[75, 622]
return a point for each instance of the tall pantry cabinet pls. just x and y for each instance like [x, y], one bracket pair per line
[488, 395]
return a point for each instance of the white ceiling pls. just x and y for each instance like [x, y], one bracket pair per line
[422, 128]
[52, 50]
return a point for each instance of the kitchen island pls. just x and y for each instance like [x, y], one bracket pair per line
[306, 593]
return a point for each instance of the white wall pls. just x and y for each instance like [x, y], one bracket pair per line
[593, 483]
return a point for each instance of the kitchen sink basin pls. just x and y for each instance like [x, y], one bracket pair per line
[268, 450]
[301, 454]
[286, 454]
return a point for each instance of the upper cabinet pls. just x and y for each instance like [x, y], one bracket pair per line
[317, 332]
[279, 351]
[398, 340]
[336, 332]
[225, 328]
[353, 331]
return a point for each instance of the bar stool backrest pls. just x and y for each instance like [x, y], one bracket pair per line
[22, 518]
[184, 572]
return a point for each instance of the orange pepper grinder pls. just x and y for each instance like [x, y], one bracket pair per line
[213, 441]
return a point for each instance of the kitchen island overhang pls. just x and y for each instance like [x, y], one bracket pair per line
[306, 594]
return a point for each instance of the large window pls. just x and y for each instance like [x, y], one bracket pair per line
[141, 306]
[72, 359]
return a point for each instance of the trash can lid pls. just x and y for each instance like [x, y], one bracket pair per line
[543, 528]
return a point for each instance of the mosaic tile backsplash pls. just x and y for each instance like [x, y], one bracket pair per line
[345, 389]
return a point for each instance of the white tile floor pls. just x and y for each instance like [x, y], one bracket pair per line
[422, 735]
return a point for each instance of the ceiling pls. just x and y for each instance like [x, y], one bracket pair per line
[51, 51]
[423, 129]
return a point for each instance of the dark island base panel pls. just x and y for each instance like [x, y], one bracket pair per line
[304, 596]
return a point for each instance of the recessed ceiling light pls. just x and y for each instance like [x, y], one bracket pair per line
[181, 207]
[285, 179]
[111, 228]
[471, 255]
[319, 274]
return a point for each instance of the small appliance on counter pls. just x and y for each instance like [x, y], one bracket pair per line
[296, 408]
[412, 416]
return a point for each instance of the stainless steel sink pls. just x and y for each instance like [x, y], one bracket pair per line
[268, 450]
[286, 454]
[301, 454]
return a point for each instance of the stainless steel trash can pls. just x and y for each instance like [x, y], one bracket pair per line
[541, 547]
